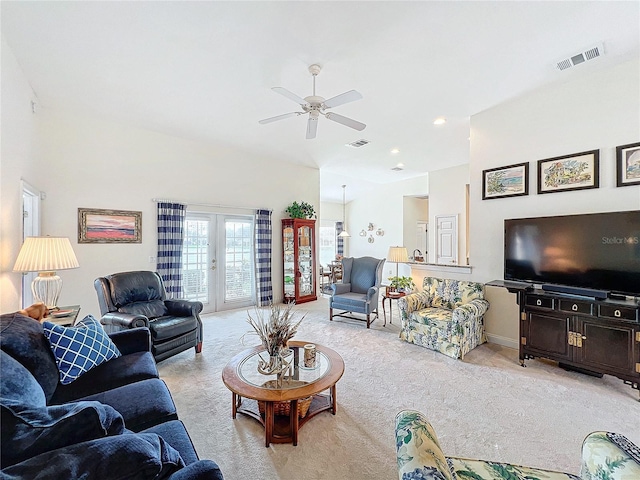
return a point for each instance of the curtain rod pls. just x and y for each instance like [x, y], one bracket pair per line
[217, 205]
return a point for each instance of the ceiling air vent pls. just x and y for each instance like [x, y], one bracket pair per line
[359, 143]
[576, 59]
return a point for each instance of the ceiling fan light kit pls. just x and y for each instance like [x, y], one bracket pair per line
[315, 106]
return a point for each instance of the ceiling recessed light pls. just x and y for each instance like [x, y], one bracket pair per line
[440, 121]
[395, 151]
[398, 167]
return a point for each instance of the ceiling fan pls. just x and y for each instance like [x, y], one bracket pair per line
[315, 106]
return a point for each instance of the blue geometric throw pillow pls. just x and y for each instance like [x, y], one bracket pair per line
[79, 348]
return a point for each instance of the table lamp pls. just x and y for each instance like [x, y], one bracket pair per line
[46, 255]
[397, 255]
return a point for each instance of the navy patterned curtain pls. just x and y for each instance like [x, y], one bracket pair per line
[264, 287]
[339, 240]
[171, 220]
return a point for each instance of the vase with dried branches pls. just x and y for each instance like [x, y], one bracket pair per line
[275, 327]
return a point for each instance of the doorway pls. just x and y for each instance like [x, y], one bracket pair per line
[422, 239]
[218, 261]
[30, 228]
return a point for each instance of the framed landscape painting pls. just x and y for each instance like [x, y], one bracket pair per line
[509, 181]
[628, 164]
[570, 172]
[109, 226]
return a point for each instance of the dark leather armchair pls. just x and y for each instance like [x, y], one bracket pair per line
[138, 299]
[359, 290]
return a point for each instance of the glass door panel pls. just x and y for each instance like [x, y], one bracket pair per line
[197, 261]
[305, 262]
[237, 286]
[289, 265]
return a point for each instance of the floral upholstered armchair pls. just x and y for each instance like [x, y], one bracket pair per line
[605, 455]
[446, 316]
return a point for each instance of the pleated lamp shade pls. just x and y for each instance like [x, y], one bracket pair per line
[398, 255]
[46, 255]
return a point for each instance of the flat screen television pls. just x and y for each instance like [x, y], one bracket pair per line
[598, 251]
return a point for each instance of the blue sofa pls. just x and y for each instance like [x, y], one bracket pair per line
[117, 420]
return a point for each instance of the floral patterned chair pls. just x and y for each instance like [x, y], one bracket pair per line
[605, 455]
[446, 316]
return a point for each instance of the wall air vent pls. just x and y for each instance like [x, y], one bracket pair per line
[576, 59]
[359, 143]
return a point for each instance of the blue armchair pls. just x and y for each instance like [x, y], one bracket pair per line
[359, 290]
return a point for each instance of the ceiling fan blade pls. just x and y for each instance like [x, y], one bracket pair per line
[280, 117]
[289, 95]
[312, 127]
[346, 97]
[349, 122]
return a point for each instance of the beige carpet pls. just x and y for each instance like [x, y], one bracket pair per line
[486, 406]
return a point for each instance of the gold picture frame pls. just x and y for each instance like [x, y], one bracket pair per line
[109, 226]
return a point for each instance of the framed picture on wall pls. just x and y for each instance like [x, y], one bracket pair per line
[509, 181]
[628, 165]
[109, 226]
[578, 171]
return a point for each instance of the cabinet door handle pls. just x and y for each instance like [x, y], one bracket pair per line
[574, 307]
[538, 302]
[616, 313]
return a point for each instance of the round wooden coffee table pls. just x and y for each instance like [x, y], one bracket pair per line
[252, 391]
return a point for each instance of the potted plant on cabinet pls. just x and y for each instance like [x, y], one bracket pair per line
[301, 210]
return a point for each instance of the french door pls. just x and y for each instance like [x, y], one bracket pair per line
[218, 261]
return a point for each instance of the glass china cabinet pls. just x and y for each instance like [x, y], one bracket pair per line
[299, 259]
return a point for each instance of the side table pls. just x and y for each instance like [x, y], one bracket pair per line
[64, 316]
[390, 295]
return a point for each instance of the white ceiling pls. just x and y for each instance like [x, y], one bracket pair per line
[203, 70]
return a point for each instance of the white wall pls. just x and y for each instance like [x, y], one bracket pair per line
[16, 162]
[447, 197]
[596, 111]
[83, 161]
[383, 207]
[330, 211]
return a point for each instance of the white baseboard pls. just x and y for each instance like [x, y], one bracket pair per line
[504, 341]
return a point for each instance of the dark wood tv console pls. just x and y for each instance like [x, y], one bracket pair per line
[591, 336]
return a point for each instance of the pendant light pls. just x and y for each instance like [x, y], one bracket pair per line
[343, 233]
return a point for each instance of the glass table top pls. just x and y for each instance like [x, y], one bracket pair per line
[294, 377]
